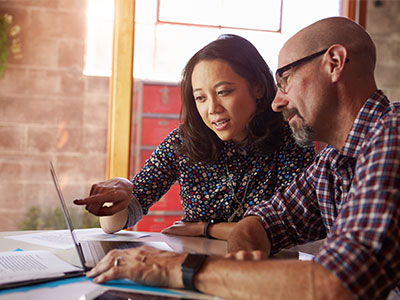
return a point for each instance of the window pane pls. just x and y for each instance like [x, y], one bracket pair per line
[100, 19]
[163, 48]
[249, 14]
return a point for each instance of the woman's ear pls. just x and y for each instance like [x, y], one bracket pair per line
[336, 60]
[258, 91]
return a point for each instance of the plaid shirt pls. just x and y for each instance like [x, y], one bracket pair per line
[352, 198]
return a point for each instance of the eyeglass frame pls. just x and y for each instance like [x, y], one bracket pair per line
[296, 63]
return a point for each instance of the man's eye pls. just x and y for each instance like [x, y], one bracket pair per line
[285, 77]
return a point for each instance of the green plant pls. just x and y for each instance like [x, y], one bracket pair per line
[4, 43]
[32, 219]
[36, 219]
[9, 42]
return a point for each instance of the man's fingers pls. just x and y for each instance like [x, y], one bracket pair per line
[112, 273]
[259, 255]
[247, 255]
[107, 262]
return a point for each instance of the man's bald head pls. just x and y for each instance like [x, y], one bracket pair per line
[327, 32]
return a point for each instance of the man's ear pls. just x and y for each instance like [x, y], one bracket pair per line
[336, 61]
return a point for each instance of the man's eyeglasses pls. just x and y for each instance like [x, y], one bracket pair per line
[282, 81]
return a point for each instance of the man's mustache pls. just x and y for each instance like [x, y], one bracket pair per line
[287, 112]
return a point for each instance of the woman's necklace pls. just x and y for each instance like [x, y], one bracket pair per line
[240, 209]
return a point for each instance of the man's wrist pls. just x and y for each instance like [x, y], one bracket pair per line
[190, 266]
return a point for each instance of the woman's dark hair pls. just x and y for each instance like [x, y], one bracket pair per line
[265, 127]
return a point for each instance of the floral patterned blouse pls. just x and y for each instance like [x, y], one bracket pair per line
[242, 177]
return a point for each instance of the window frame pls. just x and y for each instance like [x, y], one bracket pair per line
[120, 116]
[219, 26]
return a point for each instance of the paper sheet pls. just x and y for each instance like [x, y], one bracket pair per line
[305, 256]
[65, 289]
[61, 239]
[25, 265]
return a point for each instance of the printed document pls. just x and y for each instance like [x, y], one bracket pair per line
[18, 266]
[61, 239]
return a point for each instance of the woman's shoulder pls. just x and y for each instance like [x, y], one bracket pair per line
[289, 144]
[174, 136]
[169, 143]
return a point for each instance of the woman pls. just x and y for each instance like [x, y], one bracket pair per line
[230, 152]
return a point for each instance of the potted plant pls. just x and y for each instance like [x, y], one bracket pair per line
[9, 42]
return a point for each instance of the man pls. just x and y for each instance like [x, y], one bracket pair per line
[350, 195]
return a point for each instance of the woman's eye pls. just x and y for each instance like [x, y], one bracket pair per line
[198, 98]
[224, 92]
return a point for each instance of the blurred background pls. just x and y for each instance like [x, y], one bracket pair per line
[55, 68]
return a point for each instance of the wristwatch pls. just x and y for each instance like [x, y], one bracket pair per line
[205, 229]
[189, 267]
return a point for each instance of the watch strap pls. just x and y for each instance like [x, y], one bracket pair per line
[206, 227]
[189, 268]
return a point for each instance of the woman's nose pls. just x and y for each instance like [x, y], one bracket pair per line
[214, 106]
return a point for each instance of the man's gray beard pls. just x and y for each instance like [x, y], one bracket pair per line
[303, 135]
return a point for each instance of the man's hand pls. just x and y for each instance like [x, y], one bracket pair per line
[247, 255]
[144, 264]
[185, 228]
[249, 235]
[108, 197]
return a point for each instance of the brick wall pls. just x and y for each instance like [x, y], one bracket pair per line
[383, 23]
[49, 110]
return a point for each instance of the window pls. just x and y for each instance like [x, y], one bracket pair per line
[265, 15]
[169, 32]
[100, 19]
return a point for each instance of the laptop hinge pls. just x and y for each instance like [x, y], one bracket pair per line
[81, 253]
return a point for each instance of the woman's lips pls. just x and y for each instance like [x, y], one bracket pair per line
[220, 124]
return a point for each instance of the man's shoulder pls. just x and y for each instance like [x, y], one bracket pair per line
[389, 119]
[393, 113]
[386, 128]
[326, 154]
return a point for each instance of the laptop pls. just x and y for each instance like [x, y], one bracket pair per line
[91, 251]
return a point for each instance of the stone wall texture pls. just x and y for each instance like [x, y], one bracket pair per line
[50, 111]
[383, 23]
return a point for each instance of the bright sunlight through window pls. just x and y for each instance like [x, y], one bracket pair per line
[169, 32]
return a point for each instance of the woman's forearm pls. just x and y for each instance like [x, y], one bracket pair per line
[221, 230]
[114, 223]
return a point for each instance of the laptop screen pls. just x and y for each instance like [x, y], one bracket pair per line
[66, 214]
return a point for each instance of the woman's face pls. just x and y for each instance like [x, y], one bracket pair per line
[224, 99]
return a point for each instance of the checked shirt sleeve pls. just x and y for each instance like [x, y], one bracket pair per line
[292, 215]
[363, 249]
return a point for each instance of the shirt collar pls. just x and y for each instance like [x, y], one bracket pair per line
[371, 111]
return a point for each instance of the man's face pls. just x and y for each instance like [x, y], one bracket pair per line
[300, 88]
[302, 133]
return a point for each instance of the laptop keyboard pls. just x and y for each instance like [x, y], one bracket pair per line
[98, 249]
